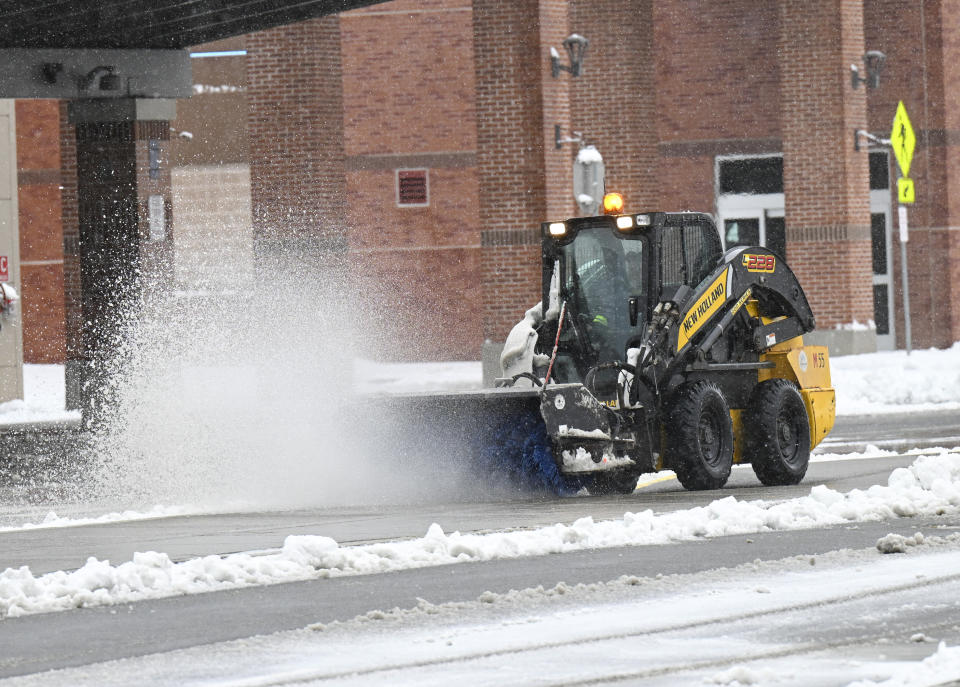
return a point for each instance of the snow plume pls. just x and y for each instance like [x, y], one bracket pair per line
[930, 486]
[241, 399]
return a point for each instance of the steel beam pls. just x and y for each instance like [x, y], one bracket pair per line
[95, 74]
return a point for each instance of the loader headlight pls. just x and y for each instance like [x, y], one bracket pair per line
[644, 221]
[557, 229]
[624, 222]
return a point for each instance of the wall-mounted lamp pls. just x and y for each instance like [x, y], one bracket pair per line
[102, 77]
[873, 60]
[50, 71]
[576, 46]
[559, 139]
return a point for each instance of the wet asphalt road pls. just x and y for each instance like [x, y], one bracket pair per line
[47, 641]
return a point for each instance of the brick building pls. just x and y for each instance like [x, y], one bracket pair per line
[418, 138]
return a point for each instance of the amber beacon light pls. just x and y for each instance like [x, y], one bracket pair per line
[612, 204]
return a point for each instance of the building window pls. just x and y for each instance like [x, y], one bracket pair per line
[413, 188]
[752, 175]
[879, 171]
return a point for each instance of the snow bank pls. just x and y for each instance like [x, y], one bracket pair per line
[893, 381]
[377, 377]
[931, 485]
[44, 398]
[53, 520]
[936, 669]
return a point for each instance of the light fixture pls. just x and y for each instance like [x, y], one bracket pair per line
[559, 139]
[576, 46]
[50, 71]
[612, 203]
[873, 60]
[102, 78]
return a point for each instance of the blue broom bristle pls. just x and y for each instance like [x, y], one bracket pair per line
[518, 453]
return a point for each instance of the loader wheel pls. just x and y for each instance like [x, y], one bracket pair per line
[700, 436]
[776, 433]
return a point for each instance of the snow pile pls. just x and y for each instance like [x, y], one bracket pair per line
[893, 381]
[379, 377]
[897, 543]
[937, 669]
[742, 675]
[54, 520]
[44, 398]
[931, 485]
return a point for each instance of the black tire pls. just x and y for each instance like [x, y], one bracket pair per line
[776, 433]
[700, 436]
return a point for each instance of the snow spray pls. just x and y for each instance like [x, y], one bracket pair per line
[243, 398]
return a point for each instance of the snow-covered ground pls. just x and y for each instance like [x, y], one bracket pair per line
[930, 486]
[893, 381]
[44, 398]
[625, 627]
[778, 624]
[869, 383]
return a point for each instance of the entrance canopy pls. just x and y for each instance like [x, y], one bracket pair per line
[122, 49]
[156, 24]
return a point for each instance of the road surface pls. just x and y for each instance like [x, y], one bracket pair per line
[55, 640]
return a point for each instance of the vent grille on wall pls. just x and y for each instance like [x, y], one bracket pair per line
[412, 187]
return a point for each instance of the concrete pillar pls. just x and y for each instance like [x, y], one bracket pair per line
[11, 339]
[614, 101]
[295, 129]
[523, 178]
[826, 183]
[123, 229]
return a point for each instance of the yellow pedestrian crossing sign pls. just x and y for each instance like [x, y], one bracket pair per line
[905, 191]
[903, 140]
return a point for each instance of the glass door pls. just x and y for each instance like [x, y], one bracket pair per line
[881, 243]
[881, 240]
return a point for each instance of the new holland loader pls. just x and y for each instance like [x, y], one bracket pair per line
[651, 349]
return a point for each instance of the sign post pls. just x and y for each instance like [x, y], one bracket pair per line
[903, 141]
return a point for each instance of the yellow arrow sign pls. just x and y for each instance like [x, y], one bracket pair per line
[902, 139]
[906, 193]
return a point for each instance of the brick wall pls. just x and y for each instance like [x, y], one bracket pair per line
[295, 129]
[41, 231]
[718, 76]
[826, 183]
[523, 179]
[419, 266]
[614, 101]
[484, 130]
[717, 92]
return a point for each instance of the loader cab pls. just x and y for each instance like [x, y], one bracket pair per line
[598, 270]
[611, 271]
